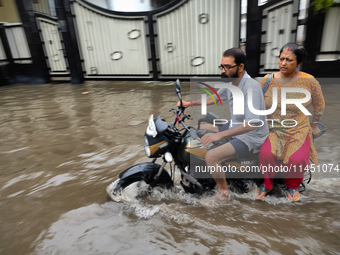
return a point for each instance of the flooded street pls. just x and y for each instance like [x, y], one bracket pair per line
[61, 145]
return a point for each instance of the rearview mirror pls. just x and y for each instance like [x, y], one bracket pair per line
[177, 86]
[178, 90]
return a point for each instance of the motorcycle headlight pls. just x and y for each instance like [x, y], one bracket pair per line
[146, 147]
[168, 157]
[147, 151]
[146, 141]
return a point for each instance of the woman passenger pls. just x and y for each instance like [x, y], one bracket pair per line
[289, 146]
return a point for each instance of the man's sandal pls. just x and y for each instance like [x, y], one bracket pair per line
[290, 193]
[262, 189]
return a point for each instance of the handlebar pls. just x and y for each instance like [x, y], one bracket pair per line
[178, 113]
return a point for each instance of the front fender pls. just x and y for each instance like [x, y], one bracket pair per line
[143, 172]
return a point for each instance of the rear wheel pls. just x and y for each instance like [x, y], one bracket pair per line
[307, 177]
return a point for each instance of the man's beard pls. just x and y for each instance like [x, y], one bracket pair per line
[224, 75]
[235, 75]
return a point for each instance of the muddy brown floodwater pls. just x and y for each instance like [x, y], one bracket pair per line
[60, 148]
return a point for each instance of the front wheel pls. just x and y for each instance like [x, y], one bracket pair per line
[140, 175]
[130, 192]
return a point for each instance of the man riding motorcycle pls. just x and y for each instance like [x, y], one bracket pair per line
[244, 139]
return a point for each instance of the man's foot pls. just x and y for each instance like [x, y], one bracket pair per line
[222, 195]
[293, 195]
[217, 199]
[262, 192]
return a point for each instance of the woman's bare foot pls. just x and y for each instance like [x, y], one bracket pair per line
[293, 195]
[262, 192]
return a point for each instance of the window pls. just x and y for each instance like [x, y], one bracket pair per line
[330, 43]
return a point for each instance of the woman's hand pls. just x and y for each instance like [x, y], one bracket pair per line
[315, 130]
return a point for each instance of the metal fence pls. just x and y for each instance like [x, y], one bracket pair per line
[189, 39]
[184, 38]
[14, 39]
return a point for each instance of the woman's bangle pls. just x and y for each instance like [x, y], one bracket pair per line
[315, 122]
[191, 103]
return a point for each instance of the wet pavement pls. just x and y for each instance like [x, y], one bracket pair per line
[61, 145]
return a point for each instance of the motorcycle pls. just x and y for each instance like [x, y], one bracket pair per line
[182, 148]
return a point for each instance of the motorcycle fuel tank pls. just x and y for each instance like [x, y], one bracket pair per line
[191, 148]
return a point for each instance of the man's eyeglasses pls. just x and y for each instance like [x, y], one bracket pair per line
[226, 67]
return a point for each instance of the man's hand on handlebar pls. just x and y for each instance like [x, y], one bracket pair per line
[186, 104]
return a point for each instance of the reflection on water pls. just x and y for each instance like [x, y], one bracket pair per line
[61, 148]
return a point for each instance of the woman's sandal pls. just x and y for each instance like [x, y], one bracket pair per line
[262, 189]
[290, 192]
